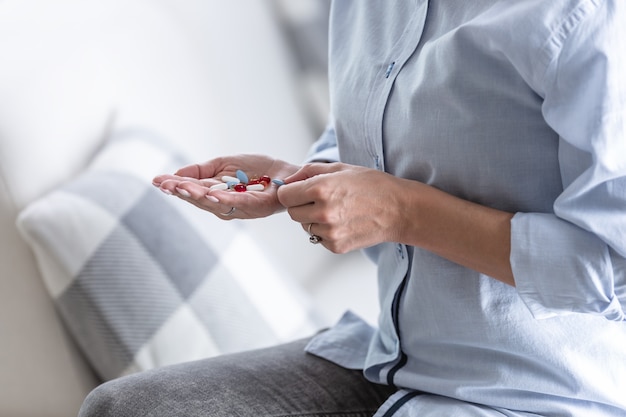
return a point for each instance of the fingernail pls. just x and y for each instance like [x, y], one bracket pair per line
[183, 192]
[212, 198]
[165, 191]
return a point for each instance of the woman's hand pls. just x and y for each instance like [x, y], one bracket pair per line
[192, 184]
[349, 207]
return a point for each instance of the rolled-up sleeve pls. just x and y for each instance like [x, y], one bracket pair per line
[574, 259]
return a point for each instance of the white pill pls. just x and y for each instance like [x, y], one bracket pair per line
[255, 187]
[220, 186]
[228, 178]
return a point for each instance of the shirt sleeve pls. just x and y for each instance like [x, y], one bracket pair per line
[574, 259]
[325, 148]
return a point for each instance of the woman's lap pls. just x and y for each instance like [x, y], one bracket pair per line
[278, 381]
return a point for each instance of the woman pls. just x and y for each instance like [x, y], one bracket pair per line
[483, 167]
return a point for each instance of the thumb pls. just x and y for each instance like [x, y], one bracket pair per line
[207, 169]
[191, 171]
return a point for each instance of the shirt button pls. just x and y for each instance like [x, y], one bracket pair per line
[389, 69]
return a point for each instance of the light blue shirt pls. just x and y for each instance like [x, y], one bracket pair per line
[517, 105]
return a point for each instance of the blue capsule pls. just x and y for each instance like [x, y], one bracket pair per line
[242, 176]
[278, 182]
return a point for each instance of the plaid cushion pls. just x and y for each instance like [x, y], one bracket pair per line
[143, 280]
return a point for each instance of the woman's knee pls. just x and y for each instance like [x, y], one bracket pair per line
[103, 401]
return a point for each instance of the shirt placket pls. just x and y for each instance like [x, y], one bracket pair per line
[397, 57]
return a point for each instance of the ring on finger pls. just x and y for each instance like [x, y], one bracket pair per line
[313, 238]
[229, 212]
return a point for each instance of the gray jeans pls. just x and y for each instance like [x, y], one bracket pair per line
[278, 381]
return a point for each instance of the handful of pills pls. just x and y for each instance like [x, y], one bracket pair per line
[241, 182]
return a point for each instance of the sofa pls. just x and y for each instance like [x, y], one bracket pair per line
[95, 98]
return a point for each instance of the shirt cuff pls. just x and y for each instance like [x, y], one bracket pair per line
[562, 269]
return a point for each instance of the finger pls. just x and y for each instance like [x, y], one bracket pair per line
[316, 229]
[305, 214]
[296, 194]
[320, 234]
[311, 170]
[244, 201]
[307, 191]
[190, 189]
[169, 183]
[160, 179]
[195, 194]
[249, 204]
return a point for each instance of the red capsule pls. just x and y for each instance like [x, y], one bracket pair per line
[240, 188]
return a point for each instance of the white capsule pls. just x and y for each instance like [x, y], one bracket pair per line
[255, 187]
[228, 178]
[220, 186]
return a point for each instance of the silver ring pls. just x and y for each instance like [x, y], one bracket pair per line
[229, 212]
[314, 239]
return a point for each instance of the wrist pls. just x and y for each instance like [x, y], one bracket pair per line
[407, 208]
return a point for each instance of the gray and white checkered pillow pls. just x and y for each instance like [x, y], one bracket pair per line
[143, 280]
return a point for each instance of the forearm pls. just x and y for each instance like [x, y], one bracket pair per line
[467, 233]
